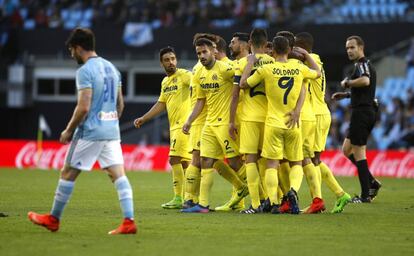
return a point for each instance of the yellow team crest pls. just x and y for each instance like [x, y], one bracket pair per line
[215, 78]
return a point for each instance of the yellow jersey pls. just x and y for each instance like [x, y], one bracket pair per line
[175, 93]
[228, 61]
[254, 99]
[318, 89]
[283, 83]
[201, 119]
[215, 85]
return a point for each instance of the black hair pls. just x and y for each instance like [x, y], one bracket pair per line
[280, 45]
[166, 50]
[304, 40]
[221, 44]
[258, 37]
[242, 36]
[289, 36]
[211, 37]
[82, 37]
[204, 41]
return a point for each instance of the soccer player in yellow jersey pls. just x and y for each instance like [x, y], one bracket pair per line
[239, 48]
[175, 98]
[252, 117]
[317, 91]
[285, 92]
[193, 172]
[308, 126]
[214, 90]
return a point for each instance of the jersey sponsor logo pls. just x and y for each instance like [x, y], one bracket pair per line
[108, 116]
[210, 86]
[286, 72]
[170, 88]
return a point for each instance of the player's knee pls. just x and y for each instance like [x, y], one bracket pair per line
[207, 162]
[174, 160]
[306, 161]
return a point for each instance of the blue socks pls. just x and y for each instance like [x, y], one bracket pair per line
[62, 195]
[125, 196]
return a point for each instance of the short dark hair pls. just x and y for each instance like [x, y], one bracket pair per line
[242, 36]
[211, 37]
[358, 40]
[281, 45]
[166, 50]
[204, 41]
[289, 36]
[221, 44]
[269, 44]
[304, 40]
[83, 37]
[258, 36]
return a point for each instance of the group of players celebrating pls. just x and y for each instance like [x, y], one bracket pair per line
[259, 120]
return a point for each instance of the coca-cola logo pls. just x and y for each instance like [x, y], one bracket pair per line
[30, 156]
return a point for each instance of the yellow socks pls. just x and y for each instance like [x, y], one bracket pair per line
[295, 177]
[283, 173]
[178, 179]
[229, 174]
[207, 179]
[330, 180]
[312, 179]
[253, 181]
[261, 164]
[272, 184]
[192, 180]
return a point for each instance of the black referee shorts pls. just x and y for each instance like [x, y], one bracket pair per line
[360, 127]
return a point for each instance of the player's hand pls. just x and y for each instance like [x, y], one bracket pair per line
[252, 58]
[65, 136]
[186, 128]
[339, 96]
[233, 131]
[344, 83]
[300, 50]
[138, 122]
[293, 119]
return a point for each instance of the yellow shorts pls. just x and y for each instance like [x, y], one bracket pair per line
[323, 123]
[216, 143]
[251, 137]
[282, 143]
[308, 137]
[195, 136]
[179, 144]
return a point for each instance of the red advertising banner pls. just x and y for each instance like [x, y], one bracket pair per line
[23, 154]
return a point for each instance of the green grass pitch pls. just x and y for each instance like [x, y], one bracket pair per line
[385, 227]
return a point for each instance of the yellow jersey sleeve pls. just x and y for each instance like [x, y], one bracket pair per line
[256, 78]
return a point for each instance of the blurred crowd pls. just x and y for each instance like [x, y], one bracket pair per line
[162, 13]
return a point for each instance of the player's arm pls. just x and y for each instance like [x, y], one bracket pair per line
[198, 107]
[361, 81]
[120, 105]
[294, 115]
[251, 59]
[355, 83]
[340, 95]
[79, 114]
[310, 61]
[157, 109]
[233, 110]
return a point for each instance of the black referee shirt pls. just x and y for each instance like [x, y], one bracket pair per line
[363, 97]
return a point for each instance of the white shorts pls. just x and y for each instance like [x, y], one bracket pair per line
[82, 154]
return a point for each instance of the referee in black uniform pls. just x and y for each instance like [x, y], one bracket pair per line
[362, 83]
